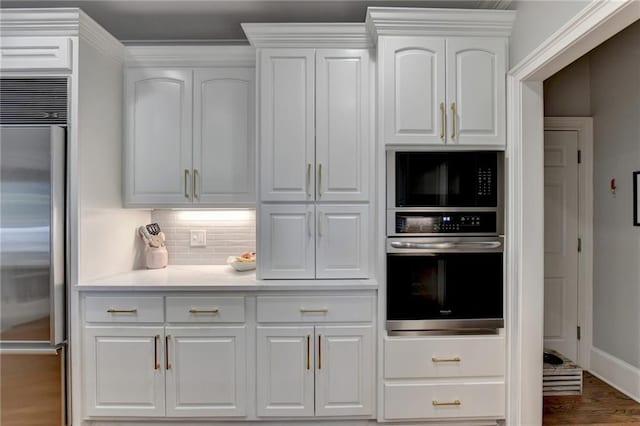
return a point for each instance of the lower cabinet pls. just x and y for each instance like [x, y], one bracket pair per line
[321, 370]
[165, 371]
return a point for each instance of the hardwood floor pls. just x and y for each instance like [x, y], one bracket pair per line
[599, 404]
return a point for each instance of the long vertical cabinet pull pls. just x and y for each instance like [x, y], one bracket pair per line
[309, 179]
[319, 352]
[186, 183]
[196, 177]
[443, 120]
[320, 223]
[309, 223]
[453, 120]
[166, 350]
[308, 352]
[319, 179]
[156, 362]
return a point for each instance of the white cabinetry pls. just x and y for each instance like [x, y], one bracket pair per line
[443, 90]
[303, 241]
[189, 136]
[323, 370]
[36, 53]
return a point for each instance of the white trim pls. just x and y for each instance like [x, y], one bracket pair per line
[190, 56]
[584, 127]
[617, 373]
[94, 34]
[416, 21]
[310, 35]
[596, 23]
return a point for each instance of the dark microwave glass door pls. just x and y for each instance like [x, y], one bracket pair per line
[452, 179]
[444, 286]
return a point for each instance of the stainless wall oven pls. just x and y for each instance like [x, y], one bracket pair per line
[445, 242]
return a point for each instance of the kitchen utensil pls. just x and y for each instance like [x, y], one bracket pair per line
[153, 228]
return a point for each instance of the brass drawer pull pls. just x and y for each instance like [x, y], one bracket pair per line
[454, 113]
[166, 351]
[156, 365]
[443, 123]
[122, 311]
[455, 359]
[450, 403]
[213, 311]
[314, 310]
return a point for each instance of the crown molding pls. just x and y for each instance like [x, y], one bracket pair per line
[59, 22]
[382, 21]
[494, 4]
[190, 56]
[312, 35]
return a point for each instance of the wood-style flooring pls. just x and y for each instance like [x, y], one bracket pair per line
[599, 404]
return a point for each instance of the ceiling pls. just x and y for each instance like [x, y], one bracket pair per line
[139, 21]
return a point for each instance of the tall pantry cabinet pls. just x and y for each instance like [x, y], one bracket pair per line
[315, 157]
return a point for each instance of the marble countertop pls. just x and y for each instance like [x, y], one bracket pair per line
[211, 278]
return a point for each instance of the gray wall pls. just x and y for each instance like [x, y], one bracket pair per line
[536, 21]
[605, 84]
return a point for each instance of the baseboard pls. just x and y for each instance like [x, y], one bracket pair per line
[615, 372]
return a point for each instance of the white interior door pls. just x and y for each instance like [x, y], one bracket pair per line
[561, 242]
[285, 371]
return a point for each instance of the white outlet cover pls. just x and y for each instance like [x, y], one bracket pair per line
[198, 238]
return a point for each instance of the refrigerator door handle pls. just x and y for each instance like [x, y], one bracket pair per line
[58, 275]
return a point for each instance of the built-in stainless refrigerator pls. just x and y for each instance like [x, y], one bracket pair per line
[33, 277]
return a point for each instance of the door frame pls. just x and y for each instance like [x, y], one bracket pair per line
[584, 127]
[598, 21]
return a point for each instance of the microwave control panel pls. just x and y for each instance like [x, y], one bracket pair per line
[444, 223]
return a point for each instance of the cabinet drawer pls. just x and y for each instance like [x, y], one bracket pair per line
[315, 309]
[427, 400]
[31, 53]
[435, 357]
[205, 309]
[124, 309]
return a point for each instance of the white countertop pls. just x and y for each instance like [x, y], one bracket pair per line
[211, 278]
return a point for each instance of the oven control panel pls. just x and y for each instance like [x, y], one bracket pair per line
[445, 223]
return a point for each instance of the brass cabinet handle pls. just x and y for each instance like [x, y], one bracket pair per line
[443, 120]
[314, 310]
[320, 223]
[309, 179]
[319, 352]
[122, 311]
[308, 352]
[455, 359]
[156, 364]
[196, 176]
[319, 179]
[186, 183]
[166, 351]
[439, 404]
[453, 120]
[213, 311]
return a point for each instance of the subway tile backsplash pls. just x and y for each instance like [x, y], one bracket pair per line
[229, 233]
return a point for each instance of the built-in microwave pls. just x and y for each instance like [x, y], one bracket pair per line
[444, 285]
[453, 193]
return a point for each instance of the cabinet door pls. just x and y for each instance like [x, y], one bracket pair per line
[413, 93]
[223, 136]
[342, 125]
[286, 128]
[342, 243]
[158, 137]
[206, 374]
[124, 373]
[476, 72]
[286, 242]
[285, 371]
[344, 371]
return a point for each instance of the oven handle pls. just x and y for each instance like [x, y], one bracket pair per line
[467, 245]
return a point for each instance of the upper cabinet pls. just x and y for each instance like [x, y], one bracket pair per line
[314, 127]
[442, 76]
[440, 90]
[190, 137]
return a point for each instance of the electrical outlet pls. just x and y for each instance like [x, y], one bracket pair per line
[198, 238]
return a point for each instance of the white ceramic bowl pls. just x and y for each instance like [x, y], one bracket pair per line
[240, 266]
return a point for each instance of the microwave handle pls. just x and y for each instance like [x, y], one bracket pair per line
[447, 245]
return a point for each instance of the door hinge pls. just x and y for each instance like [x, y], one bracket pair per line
[579, 245]
[579, 332]
[579, 156]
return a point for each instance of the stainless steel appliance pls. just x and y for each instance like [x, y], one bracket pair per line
[32, 258]
[444, 242]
